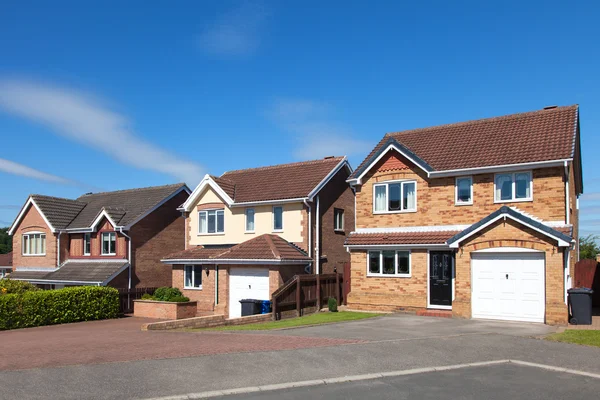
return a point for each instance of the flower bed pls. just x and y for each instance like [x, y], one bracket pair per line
[164, 309]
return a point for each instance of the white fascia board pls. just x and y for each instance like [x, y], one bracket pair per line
[103, 213]
[234, 261]
[498, 168]
[78, 230]
[507, 250]
[408, 229]
[358, 180]
[54, 281]
[455, 245]
[331, 174]
[34, 269]
[163, 201]
[396, 246]
[264, 202]
[206, 181]
[29, 202]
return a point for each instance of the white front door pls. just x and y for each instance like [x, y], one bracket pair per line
[247, 283]
[508, 286]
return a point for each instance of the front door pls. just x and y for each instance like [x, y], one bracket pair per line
[441, 269]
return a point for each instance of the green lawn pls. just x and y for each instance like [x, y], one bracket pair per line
[312, 319]
[588, 338]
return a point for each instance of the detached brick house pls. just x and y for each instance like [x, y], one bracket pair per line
[249, 231]
[111, 238]
[480, 218]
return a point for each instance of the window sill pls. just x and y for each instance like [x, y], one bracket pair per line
[394, 212]
[339, 230]
[463, 204]
[108, 255]
[370, 275]
[211, 234]
[513, 201]
[277, 231]
[34, 255]
[250, 232]
[192, 288]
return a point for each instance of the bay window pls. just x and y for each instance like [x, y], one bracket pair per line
[211, 221]
[388, 263]
[395, 197]
[34, 244]
[193, 277]
[516, 186]
[109, 243]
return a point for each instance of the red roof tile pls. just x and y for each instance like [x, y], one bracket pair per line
[542, 135]
[418, 238]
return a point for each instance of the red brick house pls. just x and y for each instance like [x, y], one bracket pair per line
[111, 238]
[5, 264]
[249, 231]
[477, 218]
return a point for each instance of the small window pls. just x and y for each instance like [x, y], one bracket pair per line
[277, 218]
[464, 190]
[395, 197]
[516, 186]
[34, 244]
[389, 263]
[193, 277]
[109, 243]
[87, 244]
[249, 219]
[338, 219]
[211, 221]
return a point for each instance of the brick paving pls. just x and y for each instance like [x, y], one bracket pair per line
[122, 340]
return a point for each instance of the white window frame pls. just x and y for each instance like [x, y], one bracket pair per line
[456, 200]
[42, 236]
[109, 234]
[387, 190]
[343, 221]
[514, 188]
[395, 274]
[273, 219]
[185, 267]
[246, 220]
[85, 241]
[216, 232]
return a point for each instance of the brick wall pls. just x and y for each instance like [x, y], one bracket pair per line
[435, 198]
[154, 237]
[33, 221]
[163, 309]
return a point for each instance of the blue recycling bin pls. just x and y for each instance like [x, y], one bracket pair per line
[265, 307]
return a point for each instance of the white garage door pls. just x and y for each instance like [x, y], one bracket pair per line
[247, 283]
[508, 286]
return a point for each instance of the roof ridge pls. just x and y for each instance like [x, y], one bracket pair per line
[272, 246]
[482, 120]
[293, 164]
[56, 198]
[134, 189]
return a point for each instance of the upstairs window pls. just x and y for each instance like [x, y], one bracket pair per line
[395, 197]
[211, 221]
[34, 244]
[338, 219]
[109, 243]
[249, 219]
[517, 186]
[277, 218]
[193, 277]
[87, 244]
[464, 190]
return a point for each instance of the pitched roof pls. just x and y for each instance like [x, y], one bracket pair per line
[399, 238]
[543, 135]
[6, 260]
[277, 182]
[265, 247]
[76, 271]
[58, 211]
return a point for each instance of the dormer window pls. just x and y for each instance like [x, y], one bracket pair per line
[393, 197]
[109, 243]
[516, 186]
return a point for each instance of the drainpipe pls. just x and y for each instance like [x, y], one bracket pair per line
[58, 250]
[568, 206]
[317, 256]
[309, 228]
[129, 255]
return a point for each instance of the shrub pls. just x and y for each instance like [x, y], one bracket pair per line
[147, 296]
[9, 286]
[179, 299]
[332, 304]
[166, 293]
[48, 307]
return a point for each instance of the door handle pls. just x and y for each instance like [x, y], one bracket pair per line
[506, 276]
[250, 286]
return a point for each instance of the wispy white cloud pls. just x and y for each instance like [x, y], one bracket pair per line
[237, 32]
[594, 196]
[314, 128]
[11, 167]
[79, 117]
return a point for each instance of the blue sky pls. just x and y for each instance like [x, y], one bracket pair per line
[113, 95]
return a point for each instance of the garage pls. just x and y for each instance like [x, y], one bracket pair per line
[508, 286]
[247, 283]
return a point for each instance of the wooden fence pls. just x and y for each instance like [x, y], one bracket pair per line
[126, 297]
[587, 274]
[300, 294]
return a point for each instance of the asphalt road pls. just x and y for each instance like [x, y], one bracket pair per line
[498, 382]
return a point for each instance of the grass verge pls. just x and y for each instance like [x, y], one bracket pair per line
[588, 338]
[312, 319]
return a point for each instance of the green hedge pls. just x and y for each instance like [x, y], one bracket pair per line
[8, 286]
[49, 307]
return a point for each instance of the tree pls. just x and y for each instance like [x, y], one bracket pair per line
[588, 247]
[5, 241]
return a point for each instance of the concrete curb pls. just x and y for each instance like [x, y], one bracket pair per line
[355, 378]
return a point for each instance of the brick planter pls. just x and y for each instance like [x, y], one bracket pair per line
[164, 309]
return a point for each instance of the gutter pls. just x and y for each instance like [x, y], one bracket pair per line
[232, 261]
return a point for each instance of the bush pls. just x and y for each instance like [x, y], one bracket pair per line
[179, 299]
[166, 293]
[147, 296]
[9, 286]
[48, 307]
[332, 304]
